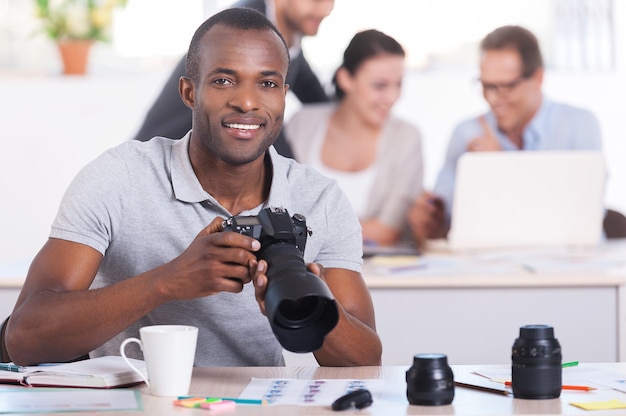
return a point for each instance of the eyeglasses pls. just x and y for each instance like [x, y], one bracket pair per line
[502, 87]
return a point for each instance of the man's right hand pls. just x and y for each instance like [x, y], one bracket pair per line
[59, 280]
[488, 142]
[214, 262]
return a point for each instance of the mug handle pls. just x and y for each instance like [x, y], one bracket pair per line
[123, 354]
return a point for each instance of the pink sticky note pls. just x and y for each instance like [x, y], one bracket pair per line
[221, 406]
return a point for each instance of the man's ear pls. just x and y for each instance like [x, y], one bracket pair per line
[186, 89]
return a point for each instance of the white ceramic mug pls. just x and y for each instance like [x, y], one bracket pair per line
[169, 352]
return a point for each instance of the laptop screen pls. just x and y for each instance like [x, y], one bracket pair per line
[531, 198]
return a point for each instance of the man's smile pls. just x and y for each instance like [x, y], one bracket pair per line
[242, 126]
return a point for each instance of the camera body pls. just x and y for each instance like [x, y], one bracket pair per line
[270, 226]
[300, 307]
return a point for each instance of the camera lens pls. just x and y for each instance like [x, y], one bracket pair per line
[300, 312]
[536, 363]
[299, 305]
[430, 381]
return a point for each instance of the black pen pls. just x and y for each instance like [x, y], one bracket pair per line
[483, 388]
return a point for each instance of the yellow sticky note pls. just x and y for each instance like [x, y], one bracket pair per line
[610, 404]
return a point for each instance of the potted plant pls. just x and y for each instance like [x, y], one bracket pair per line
[75, 25]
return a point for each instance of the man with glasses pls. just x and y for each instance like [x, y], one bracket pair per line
[521, 117]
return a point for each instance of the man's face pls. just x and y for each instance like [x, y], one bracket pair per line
[305, 16]
[240, 97]
[513, 98]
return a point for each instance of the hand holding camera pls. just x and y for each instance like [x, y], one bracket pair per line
[213, 262]
[299, 305]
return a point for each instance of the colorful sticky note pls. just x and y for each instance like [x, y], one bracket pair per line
[221, 406]
[607, 405]
[194, 402]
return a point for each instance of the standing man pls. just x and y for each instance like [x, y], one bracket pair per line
[138, 237]
[169, 117]
[521, 118]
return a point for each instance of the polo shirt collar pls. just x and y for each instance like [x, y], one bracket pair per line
[279, 189]
[185, 184]
[187, 188]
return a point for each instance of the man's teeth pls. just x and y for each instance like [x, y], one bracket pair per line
[243, 126]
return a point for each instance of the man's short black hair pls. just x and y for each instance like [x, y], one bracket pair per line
[236, 17]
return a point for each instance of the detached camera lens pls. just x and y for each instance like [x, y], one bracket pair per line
[430, 381]
[536, 363]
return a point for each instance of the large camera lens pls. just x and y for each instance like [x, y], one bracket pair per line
[536, 363]
[299, 305]
[300, 312]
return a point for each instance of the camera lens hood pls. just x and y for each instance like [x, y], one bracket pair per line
[302, 312]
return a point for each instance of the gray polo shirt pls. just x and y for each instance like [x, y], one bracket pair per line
[140, 204]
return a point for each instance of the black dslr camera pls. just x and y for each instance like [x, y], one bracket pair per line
[299, 305]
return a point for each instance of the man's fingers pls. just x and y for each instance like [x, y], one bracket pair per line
[229, 239]
[488, 133]
[214, 227]
[316, 269]
[487, 141]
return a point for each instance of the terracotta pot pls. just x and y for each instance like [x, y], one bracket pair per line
[75, 55]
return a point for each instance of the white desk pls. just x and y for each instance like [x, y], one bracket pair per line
[230, 382]
[473, 314]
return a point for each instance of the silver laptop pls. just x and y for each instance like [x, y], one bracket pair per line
[528, 199]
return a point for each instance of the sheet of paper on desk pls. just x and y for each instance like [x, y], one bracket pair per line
[561, 259]
[582, 374]
[575, 264]
[436, 266]
[370, 250]
[313, 392]
[38, 400]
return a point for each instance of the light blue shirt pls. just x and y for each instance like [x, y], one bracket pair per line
[556, 126]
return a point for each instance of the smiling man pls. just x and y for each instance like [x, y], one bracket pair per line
[169, 117]
[138, 237]
[521, 117]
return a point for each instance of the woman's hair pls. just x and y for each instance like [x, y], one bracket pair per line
[363, 46]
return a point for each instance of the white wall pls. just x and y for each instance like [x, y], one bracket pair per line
[53, 125]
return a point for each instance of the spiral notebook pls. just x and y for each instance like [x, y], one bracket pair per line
[528, 199]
